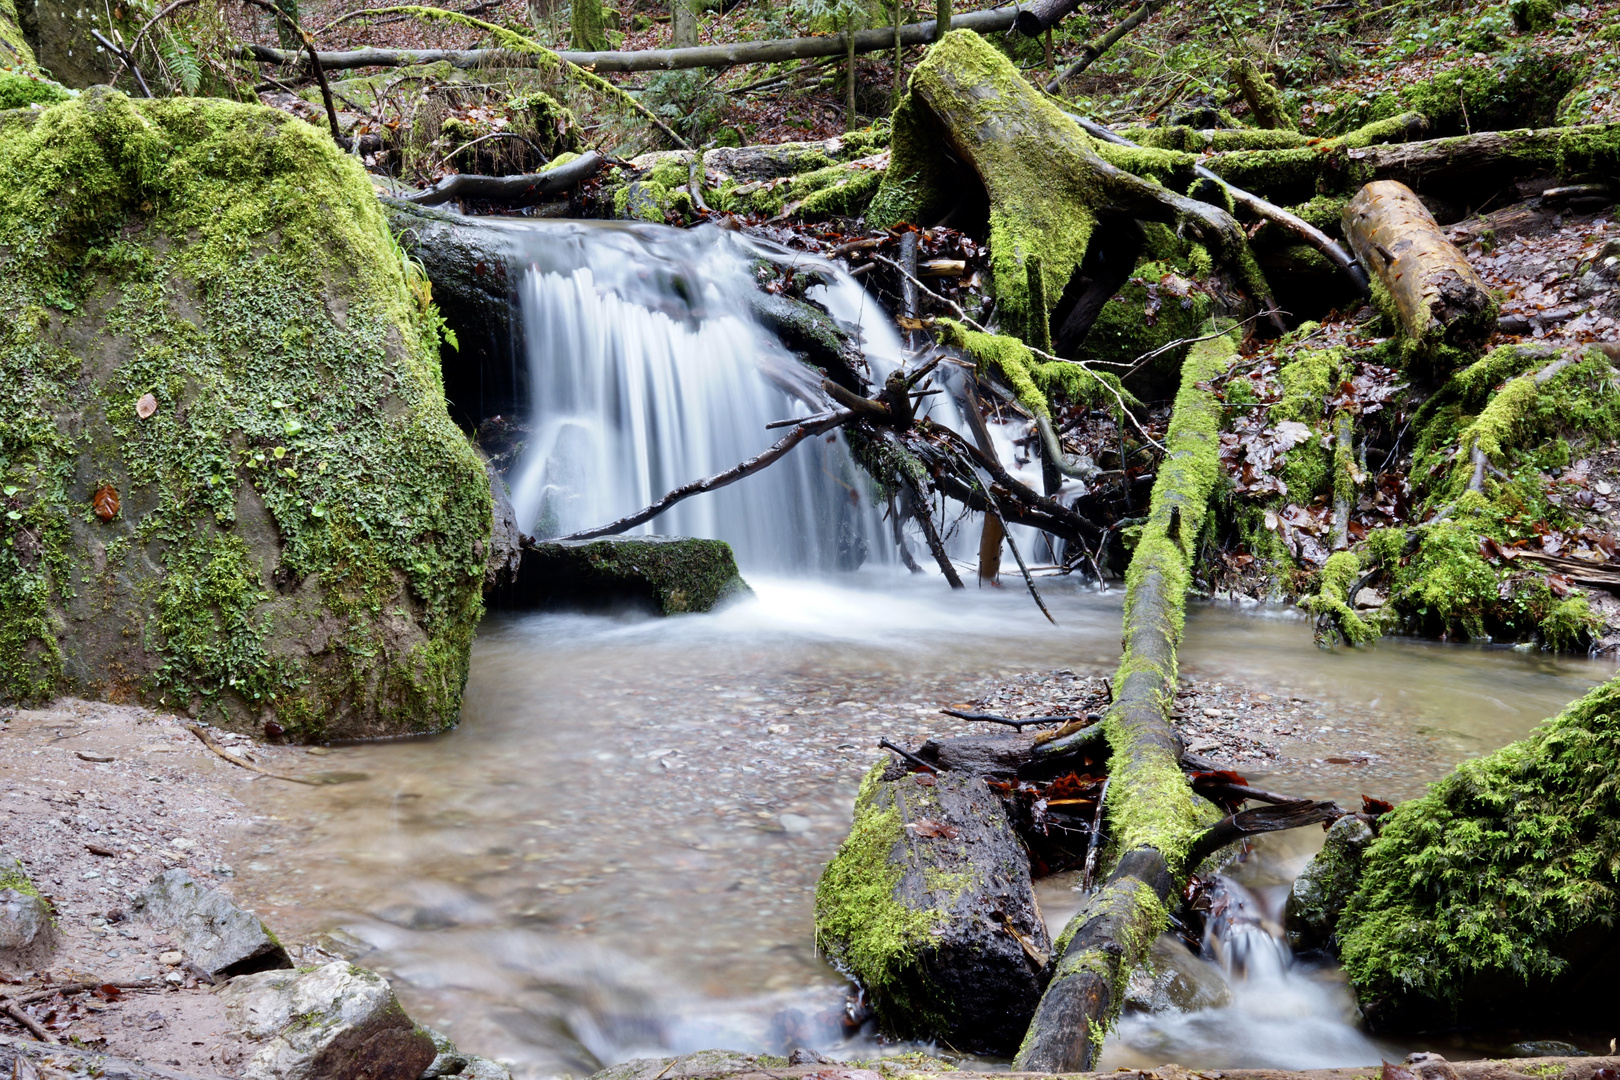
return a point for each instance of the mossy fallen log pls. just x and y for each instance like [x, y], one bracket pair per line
[1427, 288]
[928, 905]
[1153, 815]
[1496, 897]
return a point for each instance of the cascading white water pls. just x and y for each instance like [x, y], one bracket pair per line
[647, 372]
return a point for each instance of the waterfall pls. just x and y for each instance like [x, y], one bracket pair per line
[646, 371]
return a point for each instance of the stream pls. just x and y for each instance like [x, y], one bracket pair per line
[615, 854]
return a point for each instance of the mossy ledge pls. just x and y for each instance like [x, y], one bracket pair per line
[301, 529]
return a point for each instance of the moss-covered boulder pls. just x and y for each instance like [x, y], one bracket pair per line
[1320, 891]
[1496, 896]
[928, 904]
[671, 575]
[229, 481]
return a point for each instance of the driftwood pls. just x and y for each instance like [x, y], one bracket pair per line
[1439, 297]
[704, 56]
[521, 190]
[1150, 800]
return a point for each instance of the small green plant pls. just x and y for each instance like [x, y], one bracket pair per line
[687, 101]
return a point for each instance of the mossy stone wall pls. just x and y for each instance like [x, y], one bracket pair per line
[300, 531]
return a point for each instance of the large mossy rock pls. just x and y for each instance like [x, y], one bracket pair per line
[1496, 897]
[928, 904]
[671, 575]
[296, 532]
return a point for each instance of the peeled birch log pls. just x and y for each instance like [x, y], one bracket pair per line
[928, 904]
[1437, 295]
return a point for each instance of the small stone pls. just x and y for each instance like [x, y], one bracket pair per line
[795, 823]
[174, 978]
[1369, 598]
[171, 958]
[145, 407]
[1603, 487]
[180, 843]
[318, 751]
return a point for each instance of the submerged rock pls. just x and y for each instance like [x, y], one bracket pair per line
[928, 904]
[671, 574]
[1175, 980]
[449, 1061]
[213, 932]
[336, 1022]
[26, 932]
[1320, 891]
[231, 483]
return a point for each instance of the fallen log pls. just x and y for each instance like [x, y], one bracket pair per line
[1036, 18]
[703, 56]
[1153, 814]
[928, 904]
[1313, 236]
[1429, 289]
[521, 190]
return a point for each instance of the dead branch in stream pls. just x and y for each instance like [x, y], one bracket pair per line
[817, 425]
[1016, 725]
[511, 190]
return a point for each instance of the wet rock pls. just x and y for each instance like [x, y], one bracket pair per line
[928, 904]
[703, 1063]
[1175, 980]
[1322, 888]
[26, 935]
[213, 932]
[1434, 1067]
[1545, 1048]
[668, 574]
[505, 537]
[449, 1061]
[336, 1022]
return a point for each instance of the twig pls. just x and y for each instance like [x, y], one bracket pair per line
[813, 426]
[28, 1021]
[208, 741]
[314, 61]
[1091, 844]
[123, 57]
[1006, 534]
[936, 546]
[990, 718]
[1094, 49]
[960, 314]
[909, 756]
[128, 57]
[81, 987]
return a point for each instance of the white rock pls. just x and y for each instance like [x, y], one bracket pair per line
[171, 958]
[336, 1022]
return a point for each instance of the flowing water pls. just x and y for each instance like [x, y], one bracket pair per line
[615, 853]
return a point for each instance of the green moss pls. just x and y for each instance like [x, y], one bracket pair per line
[1570, 623]
[1153, 805]
[1521, 88]
[1157, 306]
[13, 876]
[234, 264]
[1494, 875]
[859, 923]
[1034, 382]
[15, 51]
[1264, 104]
[18, 90]
[916, 187]
[1333, 599]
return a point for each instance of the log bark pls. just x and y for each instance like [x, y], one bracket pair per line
[704, 56]
[1037, 18]
[1153, 816]
[960, 881]
[521, 190]
[1439, 297]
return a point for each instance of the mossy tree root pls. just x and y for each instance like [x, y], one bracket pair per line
[1046, 179]
[1153, 815]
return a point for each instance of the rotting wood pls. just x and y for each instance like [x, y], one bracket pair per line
[1437, 297]
[520, 190]
[1153, 816]
[704, 56]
